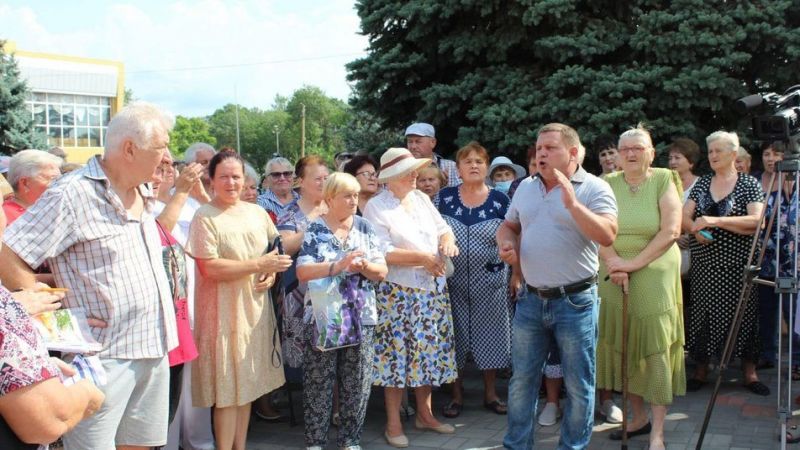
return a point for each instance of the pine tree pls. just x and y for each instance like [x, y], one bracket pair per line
[16, 125]
[496, 70]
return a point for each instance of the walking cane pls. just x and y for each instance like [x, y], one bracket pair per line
[624, 367]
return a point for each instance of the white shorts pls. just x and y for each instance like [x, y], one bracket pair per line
[135, 411]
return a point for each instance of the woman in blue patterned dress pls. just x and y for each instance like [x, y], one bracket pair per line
[311, 173]
[482, 309]
[342, 248]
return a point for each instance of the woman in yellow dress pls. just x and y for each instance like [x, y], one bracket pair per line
[646, 260]
[239, 354]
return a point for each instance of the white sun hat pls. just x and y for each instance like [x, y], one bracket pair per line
[398, 161]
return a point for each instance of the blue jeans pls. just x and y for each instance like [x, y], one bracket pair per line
[571, 322]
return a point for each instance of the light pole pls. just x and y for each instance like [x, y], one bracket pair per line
[277, 132]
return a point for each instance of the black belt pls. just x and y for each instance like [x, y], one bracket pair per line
[560, 291]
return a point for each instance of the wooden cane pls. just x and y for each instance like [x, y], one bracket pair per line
[624, 367]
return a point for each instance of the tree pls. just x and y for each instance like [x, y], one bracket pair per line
[186, 132]
[16, 124]
[496, 70]
[256, 131]
[326, 118]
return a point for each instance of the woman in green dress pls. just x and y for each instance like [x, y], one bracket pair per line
[645, 260]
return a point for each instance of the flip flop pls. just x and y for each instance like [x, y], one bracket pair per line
[452, 410]
[496, 407]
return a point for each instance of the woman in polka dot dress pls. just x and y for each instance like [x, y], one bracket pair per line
[722, 213]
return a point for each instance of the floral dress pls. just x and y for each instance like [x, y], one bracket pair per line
[294, 220]
[414, 333]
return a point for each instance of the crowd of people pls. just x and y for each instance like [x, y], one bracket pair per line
[209, 286]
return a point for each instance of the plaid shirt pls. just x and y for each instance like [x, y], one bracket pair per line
[269, 201]
[448, 167]
[110, 262]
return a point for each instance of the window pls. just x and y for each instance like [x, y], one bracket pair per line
[71, 120]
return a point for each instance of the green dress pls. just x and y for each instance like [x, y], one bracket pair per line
[656, 369]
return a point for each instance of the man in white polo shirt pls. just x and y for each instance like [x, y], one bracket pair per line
[552, 233]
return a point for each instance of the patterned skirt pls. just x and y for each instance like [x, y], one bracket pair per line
[413, 337]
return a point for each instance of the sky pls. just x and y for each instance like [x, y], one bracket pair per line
[192, 57]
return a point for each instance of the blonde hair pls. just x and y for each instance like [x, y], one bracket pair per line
[741, 152]
[731, 140]
[339, 182]
[568, 134]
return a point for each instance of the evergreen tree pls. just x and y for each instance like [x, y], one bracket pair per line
[16, 124]
[496, 70]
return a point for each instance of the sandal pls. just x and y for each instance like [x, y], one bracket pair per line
[496, 407]
[758, 388]
[452, 410]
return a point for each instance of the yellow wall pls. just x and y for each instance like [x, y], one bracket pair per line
[80, 154]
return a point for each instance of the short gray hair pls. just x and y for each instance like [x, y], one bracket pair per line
[275, 161]
[250, 172]
[138, 122]
[28, 163]
[731, 140]
[191, 153]
[639, 131]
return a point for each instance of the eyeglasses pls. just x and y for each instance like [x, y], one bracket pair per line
[367, 174]
[343, 156]
[276, 175]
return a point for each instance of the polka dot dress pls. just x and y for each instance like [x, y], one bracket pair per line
[482, 310]
[716, 276]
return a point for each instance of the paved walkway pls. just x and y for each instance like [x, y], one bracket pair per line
[741, 420]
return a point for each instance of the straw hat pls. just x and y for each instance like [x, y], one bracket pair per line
[397, 162]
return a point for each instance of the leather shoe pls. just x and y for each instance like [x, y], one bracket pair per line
[616, 435]
[441, 429]
[400, 441]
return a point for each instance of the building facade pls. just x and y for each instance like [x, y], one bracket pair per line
[72, 98]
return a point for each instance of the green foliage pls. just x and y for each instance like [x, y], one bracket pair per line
[256, 131]
[327, 125]
[16, 124]
[186, 132]
[496, 70]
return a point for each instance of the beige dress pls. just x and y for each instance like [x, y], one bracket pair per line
[234, 325]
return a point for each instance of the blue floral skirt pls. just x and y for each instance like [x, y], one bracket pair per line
[413, 337]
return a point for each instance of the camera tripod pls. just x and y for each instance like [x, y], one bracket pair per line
[784, 284]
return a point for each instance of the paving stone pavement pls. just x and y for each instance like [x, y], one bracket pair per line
[741, 421]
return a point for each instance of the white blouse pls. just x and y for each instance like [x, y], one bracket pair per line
[417, 228]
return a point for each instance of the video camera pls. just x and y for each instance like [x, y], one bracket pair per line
[779, 118]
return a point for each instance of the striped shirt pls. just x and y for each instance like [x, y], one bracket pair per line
[269, 201]
[110, 262]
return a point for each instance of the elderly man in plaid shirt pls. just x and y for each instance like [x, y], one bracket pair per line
[420, 141]
[96, 229]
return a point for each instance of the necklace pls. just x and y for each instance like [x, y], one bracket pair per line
[634, 188]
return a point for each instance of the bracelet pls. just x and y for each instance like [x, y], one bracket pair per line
[330, 269]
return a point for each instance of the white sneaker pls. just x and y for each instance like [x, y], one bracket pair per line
[611, 412]
[549, 415]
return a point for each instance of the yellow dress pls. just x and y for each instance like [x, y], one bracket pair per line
[234, 325]
[656, 368]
